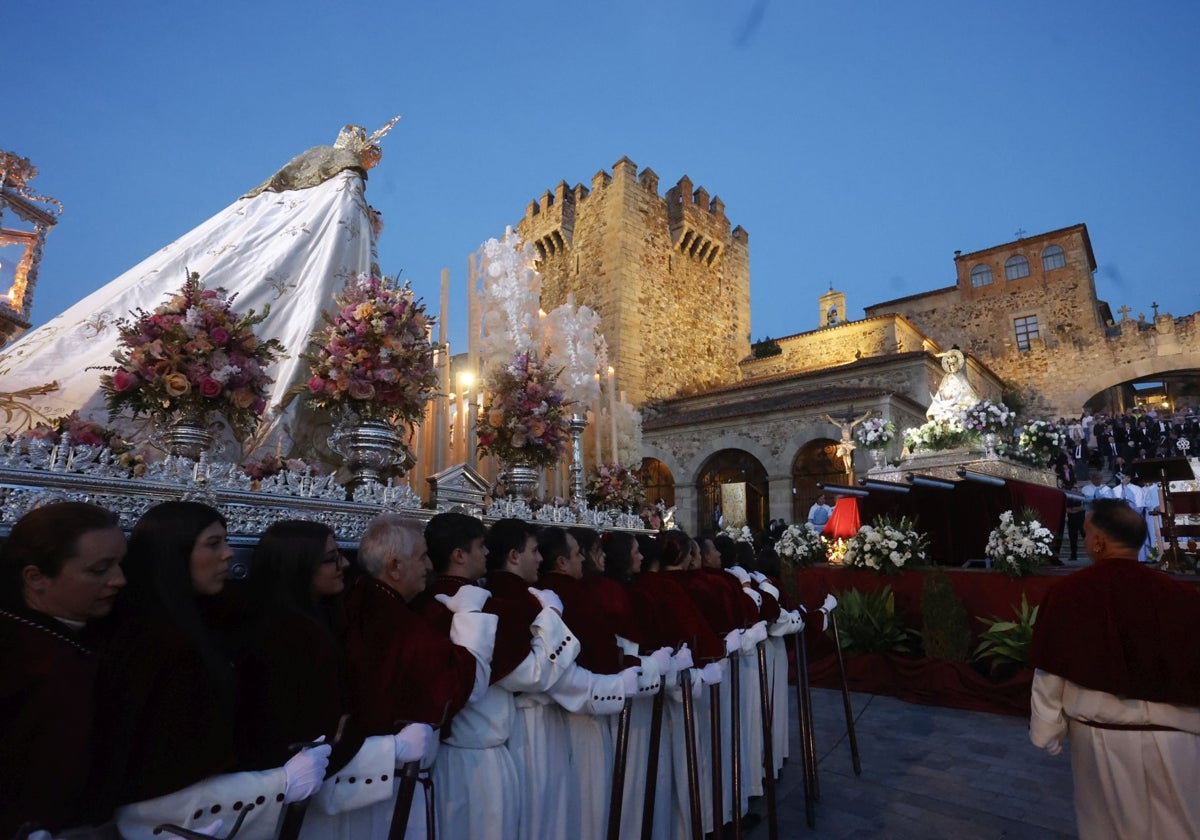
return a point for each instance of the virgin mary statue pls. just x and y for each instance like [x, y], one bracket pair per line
[290, 244]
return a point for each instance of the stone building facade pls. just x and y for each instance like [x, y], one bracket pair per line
[668, 275]
[1029, 310]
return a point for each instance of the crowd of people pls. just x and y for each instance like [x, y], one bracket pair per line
[1112, 443]
[454, 676]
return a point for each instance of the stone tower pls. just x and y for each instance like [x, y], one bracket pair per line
[668, 276]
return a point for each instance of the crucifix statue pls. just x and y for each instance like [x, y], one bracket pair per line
[1124, 311]
[846, 446]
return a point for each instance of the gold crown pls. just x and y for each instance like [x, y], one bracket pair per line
[355, 139]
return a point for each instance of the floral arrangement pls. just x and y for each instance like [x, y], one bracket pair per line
[615, 485]
[524, 419]
[801, 545]
[987, 417]
[373, 358]
[1040, 439]
[835, 550]
[943, 433]
[82, 433]
[1019, 544]
[269, 465]
[742, 534]
[875, 433]
[192, 355]
[887, 545]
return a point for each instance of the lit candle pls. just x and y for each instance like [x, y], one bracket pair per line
[596, 436]
[612, 408]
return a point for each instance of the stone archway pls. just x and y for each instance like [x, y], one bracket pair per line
[733, 466]
[658, 482]
[817, 462]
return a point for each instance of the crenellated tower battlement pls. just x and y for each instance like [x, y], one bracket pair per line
[668, 274]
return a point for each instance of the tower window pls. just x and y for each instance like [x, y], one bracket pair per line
[981, 275]
[1026, 328]
[1016, 268]
[1053, 258]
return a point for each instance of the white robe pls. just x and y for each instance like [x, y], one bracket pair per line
[291, 251]
[1133, 784]
[476, 782]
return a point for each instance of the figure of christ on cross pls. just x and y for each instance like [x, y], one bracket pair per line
[846, 446]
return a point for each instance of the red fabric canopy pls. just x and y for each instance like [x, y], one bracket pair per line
[844, 522]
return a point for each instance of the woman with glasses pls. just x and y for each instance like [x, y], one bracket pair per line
[291, 686]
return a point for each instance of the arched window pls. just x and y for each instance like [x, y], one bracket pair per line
[981, 275]
[736, 467]
[657, 481]
[1016, 268]
[1052, 258]
[817, 462]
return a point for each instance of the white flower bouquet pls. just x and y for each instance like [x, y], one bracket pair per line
[875, 433]
[1040, 440]
[1019, 544]
[936, 435]
[886, 546]
[988, 417]
[801, 545]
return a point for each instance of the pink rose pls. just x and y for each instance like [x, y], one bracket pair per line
[219, 336]
[316, 384]
[209, 387]
[123, 380]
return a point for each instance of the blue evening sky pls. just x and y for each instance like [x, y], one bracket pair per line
[859, 143]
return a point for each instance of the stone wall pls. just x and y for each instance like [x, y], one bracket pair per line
[1078, 352]
[667, 274]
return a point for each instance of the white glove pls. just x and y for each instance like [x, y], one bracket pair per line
[733, 641]
[469, 598]
[415, 742]
[682, 659]
[1054, 747]
[753, 636]
[661, 659]
[754, 596]
[711, 674]
[629, 678]
[305, 771]
[548, 599]
[797, 621]
[739, 573]
[758, 577]
[826, 608]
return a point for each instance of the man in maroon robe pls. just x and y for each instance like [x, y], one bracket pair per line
[1117, 662]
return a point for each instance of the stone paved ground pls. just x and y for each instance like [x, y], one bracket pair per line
[927, 772]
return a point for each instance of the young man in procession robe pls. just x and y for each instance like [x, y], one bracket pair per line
[480, 795]
[749, 698]
[1117, 668]
[670, 618]
[607, 670]
[399, 668]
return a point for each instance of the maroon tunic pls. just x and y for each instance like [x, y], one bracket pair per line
[737, 601]
[614, 600]
[595, 628]
[398, 667]
[1119, 627]
[514, 616]
[160, 723]
[291, 688]
[712, 598]
[46, 685]
[670, 618]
